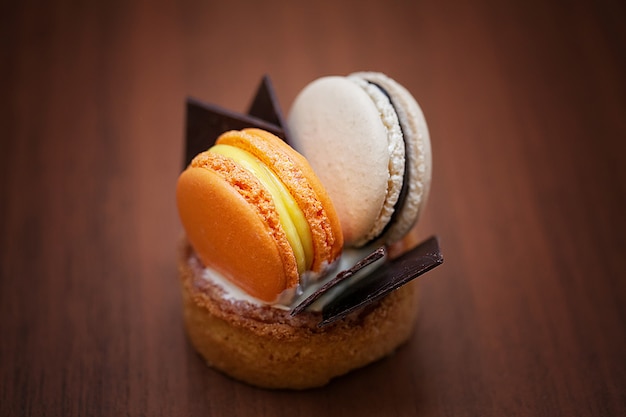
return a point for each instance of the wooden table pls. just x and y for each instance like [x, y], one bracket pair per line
[526, 103]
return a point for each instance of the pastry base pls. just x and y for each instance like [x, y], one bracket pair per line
[266, 347]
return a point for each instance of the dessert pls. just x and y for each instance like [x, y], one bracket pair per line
[269, 297]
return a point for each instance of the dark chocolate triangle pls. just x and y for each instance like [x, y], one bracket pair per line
[338, 279]
[388, 277]
[265, 105]
[205, 121]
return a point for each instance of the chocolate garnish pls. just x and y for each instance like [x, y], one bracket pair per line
[205, 121]
[339, 278]
[265, 105]
[388, 277]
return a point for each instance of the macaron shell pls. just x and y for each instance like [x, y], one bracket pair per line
[300, 179]
[337, 127]
[419, 156]
[232, 225]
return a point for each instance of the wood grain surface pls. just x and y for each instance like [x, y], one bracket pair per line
[526, 103]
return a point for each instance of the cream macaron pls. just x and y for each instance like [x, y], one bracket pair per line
[367, 140]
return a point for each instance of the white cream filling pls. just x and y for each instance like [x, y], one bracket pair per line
[309, 282]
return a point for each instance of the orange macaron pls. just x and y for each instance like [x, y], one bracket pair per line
[255, 212]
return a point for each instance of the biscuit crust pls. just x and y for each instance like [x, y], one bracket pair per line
[266, 347]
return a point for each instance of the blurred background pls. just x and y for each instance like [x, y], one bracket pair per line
[525, 103]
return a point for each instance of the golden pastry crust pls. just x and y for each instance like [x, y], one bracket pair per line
[266, 347]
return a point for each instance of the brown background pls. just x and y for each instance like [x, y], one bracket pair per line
[526, 103]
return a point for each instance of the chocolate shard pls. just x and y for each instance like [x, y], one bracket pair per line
[388, 277]
[265, 105]
[339, 278]
[205, 121]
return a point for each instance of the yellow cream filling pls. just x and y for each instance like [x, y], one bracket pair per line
[290, 215]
